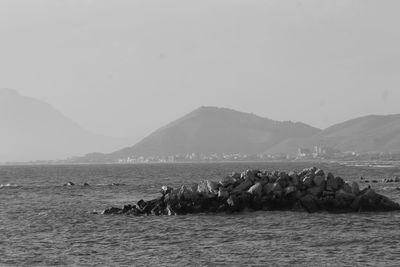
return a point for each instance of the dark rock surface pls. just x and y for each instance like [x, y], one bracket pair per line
[310, 190]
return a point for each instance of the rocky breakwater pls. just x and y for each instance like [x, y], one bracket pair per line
[310, 190]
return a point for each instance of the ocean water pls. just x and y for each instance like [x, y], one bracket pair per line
[43, 223]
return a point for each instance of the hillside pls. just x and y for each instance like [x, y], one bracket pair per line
[374, 133]
[33, 130]
[210, 130]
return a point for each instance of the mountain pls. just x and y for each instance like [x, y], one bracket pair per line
[33, 130]
[374, 133]
[210, 130]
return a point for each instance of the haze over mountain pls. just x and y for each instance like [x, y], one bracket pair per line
[374, 133]
[210, 130]
[33, 130]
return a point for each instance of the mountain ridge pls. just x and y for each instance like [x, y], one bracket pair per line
[360, 134]
[34, 130]
[234, 132]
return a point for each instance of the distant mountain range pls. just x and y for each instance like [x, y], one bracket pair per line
[365, 134]
[33, 130]
[210, 130]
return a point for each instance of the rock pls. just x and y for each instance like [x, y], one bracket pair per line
[331, 183]
[309, 202]
[397, 179]
[290, 190]
[267, 188]
[229, 180]
[371, 201]
[272, 179]
[112, 211]
[283, 181]
[169, 211]
[328, 194]
[249, 175]
[355, 189]
[375, 181]
[187, 193]
[238, 203]
[283, 175]
[256, 190]
[277, 190]
[319, 172]
[263, 178]
[69, 184]
[234, 203]
[85, 184]
[315, 191]
[213, 187]
[319, 181]
[203, 188]
[341, 194]
[235, 175]
[340, 182]
[312, 194]
[166, 189]
[223, 193]
[245, 185]
[347, 188]
[294, 179]
[308, 182]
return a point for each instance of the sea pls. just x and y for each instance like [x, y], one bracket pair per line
[44, 223]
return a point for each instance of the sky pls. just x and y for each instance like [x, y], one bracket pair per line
[126, 68]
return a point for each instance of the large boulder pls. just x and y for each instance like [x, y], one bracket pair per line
[223, 193]
[331, 183]
[277, 190]
[355, 189]
[308, 182]
[283, 180]
[235, 175]
[309, 203]
[294, 179]
[315, 191]
[340, 182]
[187, 193]
[372, 201]
[112, 210]
[256, 190]
[341, 194]
[243, 186]
[290, 190]
[319, 172]
[319, 181]
[213, 187]
[267, 188]
[203, 189]
[249, 175]
[347, 188]
[228, 180]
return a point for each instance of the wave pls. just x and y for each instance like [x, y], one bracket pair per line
[9, 186]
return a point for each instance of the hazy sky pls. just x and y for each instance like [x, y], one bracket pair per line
[125, 68]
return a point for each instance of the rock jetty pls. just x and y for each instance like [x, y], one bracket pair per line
[310, 190]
